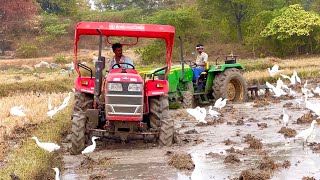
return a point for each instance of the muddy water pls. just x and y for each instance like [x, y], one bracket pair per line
[146, 161]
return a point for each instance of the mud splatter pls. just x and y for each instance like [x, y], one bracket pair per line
[315, 147]
[228, 142]
[214, 155]
[231, 159]
[268, 164]
[262, 125]
[286, 164]
[288, 104]
[211, 122]
[306, 118]
[260, 102]
[97, 177]
[254, 175]
[191, 131]
[253, 142]
[237, 151]
[288, 132]
[181, 161]
[308, 178]
[239, 123]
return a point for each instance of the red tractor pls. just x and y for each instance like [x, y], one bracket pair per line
[121, 103]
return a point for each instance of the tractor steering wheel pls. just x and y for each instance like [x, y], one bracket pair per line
[192, 64]
[118, 64]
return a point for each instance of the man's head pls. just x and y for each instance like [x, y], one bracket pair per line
[199, 48]
[117, 49]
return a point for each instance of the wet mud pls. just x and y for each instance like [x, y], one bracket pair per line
[248, 141]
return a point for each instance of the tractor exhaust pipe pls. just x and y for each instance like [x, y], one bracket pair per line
[99, 66]
[182, 59]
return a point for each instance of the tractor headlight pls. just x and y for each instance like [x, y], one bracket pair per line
[115, 87]
[135, 87]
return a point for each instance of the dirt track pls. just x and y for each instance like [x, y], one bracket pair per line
[209, 145]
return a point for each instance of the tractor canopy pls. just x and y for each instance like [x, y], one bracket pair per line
[107, 29]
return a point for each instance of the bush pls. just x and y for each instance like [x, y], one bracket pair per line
[27, 51]
[60, 58]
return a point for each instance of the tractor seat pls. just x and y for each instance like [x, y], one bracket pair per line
[206, 69]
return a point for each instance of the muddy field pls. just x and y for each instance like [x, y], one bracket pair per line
[248, 140]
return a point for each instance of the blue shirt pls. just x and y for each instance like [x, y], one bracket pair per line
[123, 59]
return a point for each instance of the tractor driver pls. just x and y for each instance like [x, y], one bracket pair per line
[119, 57]
[201, 60]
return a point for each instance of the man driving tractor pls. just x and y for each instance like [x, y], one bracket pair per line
[119, 57]
[201, 60]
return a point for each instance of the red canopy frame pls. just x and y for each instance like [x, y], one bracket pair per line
[165, 32]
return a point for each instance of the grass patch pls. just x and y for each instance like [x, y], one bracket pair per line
[31, 162]
[49, 86]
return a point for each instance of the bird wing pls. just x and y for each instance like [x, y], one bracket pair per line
[218, 102]
[270, 85]
[88, 149]
[49, 146]
[285, 76]
[193, 112]
[275, 67]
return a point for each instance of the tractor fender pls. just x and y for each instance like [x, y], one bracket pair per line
[223, 67]
[156, 87]
[84, 84]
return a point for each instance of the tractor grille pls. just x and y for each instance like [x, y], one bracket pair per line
[124, 103]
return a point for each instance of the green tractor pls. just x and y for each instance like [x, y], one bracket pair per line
[217, 81]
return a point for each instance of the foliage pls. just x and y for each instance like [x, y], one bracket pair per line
[60, 58]
[125, 4]
[27, 50]
[63, 7]
[293, 21]
[52, 27]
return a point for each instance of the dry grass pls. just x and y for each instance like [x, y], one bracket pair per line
[35, 106]
[31, 162]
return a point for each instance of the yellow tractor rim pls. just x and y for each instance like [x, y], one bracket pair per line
[231, 91]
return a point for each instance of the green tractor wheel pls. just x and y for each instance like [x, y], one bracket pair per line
[230, 84]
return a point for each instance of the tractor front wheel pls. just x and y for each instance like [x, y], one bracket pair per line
[230, 84]
[80, 137]
[160, 119]
[188, 99]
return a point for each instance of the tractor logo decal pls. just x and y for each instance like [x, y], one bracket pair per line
[116, 26]
[125, 78]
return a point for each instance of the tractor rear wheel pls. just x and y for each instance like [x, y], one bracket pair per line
[160, 119]
[230, 84]
[188, 99]
[79, 138]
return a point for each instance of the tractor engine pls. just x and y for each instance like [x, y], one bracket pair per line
[124, 92]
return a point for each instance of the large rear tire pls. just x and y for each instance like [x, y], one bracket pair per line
[230, 84]
[160, 119]
[80, 137]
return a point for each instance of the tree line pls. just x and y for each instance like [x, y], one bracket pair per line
[259, 27]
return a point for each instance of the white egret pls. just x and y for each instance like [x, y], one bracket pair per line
[285, 118]
[203, 115]
[212, 112]
[277, 91]
[17, 111]
[317, 90]
[306, 133]
[297, 77]
[57, 176]
[292, 78]
[274, 70]
[49, 104]
[292, 92]
[220, 103]
[46, 146]
[92, 147]
[198, 113]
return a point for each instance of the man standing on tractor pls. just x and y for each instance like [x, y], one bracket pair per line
[119, 57]
[200, 63]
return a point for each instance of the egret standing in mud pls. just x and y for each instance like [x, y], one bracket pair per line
[212, 112]
[220, 103]
[305, 134]
[46, 146]
[17, 111]
[92, 147]
[57, 176]
[285, 118]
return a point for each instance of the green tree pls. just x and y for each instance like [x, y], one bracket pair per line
[68, 8]
[294, 26]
